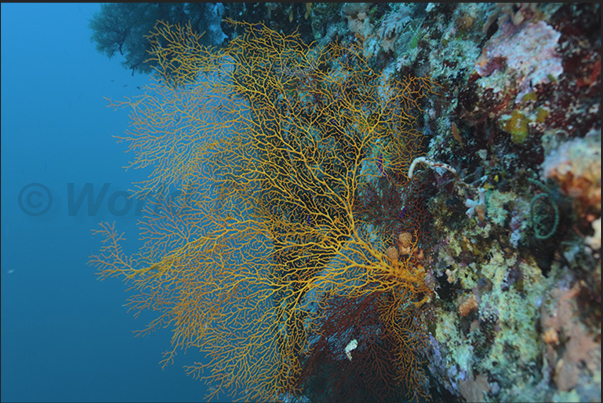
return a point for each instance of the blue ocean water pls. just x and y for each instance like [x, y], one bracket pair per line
[65, 335]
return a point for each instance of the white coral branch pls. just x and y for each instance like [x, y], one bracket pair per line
[351, 346]
[432, 164]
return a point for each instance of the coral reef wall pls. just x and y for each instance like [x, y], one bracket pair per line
[515, 259]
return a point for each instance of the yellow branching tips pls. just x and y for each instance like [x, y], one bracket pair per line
[268, 141]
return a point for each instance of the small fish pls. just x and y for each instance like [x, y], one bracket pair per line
[380, 164]
[456, 135]
[308, 10]
[403, 212]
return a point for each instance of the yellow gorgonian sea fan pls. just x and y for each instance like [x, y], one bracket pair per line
[267, 141]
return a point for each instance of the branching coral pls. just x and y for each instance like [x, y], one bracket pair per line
[387, 363]
[393, 207]
[267, 138]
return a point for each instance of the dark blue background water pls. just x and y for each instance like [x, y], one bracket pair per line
[65, 335]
